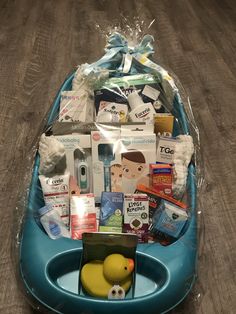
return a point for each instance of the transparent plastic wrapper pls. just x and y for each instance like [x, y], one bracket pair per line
[111, 209]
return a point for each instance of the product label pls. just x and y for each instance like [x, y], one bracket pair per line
[70, 107]
[161, 178]
[112, 112]
[111, 212]
[166, 150]
[163, 124]
[143, 114]
[56, 194]
[151, 92]
[153, 201]
[136, 215]
[82, 215]
[171, 220]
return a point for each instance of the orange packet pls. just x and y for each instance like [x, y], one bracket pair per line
[144, 189]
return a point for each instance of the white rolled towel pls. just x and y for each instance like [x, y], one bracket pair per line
[184, 150]
[51, 151]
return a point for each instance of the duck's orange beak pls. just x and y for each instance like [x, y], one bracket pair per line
[131, 264]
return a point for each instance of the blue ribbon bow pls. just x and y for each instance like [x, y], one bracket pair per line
[116, 47]
[116, 40]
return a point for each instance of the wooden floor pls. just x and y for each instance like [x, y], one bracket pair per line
[42, 41]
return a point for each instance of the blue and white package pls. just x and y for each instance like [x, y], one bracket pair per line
[170, 220]
[111, 212]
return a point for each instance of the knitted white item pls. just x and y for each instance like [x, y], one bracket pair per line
[184, 150]
[86, 77]
[51, 152]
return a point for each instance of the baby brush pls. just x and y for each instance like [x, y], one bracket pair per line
[106, 155]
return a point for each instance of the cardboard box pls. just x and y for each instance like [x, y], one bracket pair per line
[138, 150]
[161, 178]
[111, 212]
[136, 215]
[74, 108]
[105, 154]
[163, 124]
[78, 158]
[82, 215]
[165, 149]
[171, 219]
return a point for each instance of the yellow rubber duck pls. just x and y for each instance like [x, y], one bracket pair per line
[98, 277]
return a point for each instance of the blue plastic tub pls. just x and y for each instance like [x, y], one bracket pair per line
[50, 268]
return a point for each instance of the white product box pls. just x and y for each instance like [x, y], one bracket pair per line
[75, 107]
[105, 156]
[166, 149]
[138, 150]
[78, 158]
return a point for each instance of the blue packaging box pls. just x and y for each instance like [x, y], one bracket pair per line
[111, 212]
[170, 220]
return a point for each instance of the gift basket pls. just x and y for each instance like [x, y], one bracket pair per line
[110, 219]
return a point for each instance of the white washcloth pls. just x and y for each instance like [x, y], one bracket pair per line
[184, 150]
[51, 152]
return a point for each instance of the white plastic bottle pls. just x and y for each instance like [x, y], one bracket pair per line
[52, 223]
[140, 111]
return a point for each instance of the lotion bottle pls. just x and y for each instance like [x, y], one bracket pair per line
[52, 223]
[140, 111]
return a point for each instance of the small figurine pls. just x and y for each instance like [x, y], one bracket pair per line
[98, 277]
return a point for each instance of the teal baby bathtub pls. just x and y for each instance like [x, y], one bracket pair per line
[50, 268]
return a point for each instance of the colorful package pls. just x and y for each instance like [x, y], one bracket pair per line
[136, 215]
[117, 89]
[161, 178]
[163, 124]
[105, 157]
[111, 212]
[138, 150]
[170, 220]
[82, 215]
